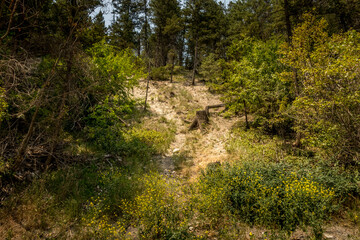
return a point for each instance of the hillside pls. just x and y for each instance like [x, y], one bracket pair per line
[250, 129]
[34, 214]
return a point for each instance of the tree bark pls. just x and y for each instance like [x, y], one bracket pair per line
[195, 63]
[172, 71]
[246, 117]
[147, 90]
[202, 117]
[147, 55]
[287, 20]
[61, 113]
[213, 106]
[10, 21]
[200, 120]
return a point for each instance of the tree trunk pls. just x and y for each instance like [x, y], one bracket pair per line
[172, 70]
[195, 63]
[10, 21]
[202, 117]
[200, 120]
[61, 113]
[147, 55]
[207, 108]
[25, 141]
[147, 90]
[287, 20]
[246, 117]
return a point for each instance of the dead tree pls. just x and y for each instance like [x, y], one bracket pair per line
[202, 117]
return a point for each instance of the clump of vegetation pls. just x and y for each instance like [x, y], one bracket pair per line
[162, 210]
[160, 74]
[269, 196]
[111, 135]
[157, 209]
[3, 104]
[211, 68]
[78, 159]
[250, 84]
[327, 106]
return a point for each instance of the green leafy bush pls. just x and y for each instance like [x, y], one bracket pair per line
[107, 131]
[158, 210]
[327, 108]
[3, 104]
[251, 80]
[160, 74]
[269, 195]
[211, 68]
[117, 72]
[161, 211]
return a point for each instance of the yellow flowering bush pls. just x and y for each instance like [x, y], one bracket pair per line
[268, 196]
[161, 211]
[99, 224]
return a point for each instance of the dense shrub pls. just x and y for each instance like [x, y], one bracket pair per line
[251, 82]
[3, 104]
[160, 74]
[211, 68]
[109, 133]
[327, 107]
[269, 195]
[159, 210]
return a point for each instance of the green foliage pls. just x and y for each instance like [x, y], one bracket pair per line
[165, 16]
[96, 32]
[106, 128]
[252, 79]
[159, 139]
[108, 132]
[269, 195]
[160, 73]
[123, 32]
[327, 108]
[251, 18]
[157, 208]
[117, 72]
[3, 104]
[206, 27]
[211, 68]
[253, 146]
[161, 211]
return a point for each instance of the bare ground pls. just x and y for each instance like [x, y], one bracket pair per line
[178, 102]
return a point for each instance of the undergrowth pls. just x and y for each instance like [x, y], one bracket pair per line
[266, 185]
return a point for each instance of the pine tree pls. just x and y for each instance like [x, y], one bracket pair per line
[165, 16]
[205, 25]
[123, 29]
[251, 18]
[96, 32]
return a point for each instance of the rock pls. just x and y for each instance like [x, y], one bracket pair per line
[176, 150]
[328, 236]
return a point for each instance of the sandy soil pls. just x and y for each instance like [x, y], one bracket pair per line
[178, 102]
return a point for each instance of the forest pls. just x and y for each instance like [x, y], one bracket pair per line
[169, 119]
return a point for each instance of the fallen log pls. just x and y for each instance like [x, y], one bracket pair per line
[202, 117]
[213, 106]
